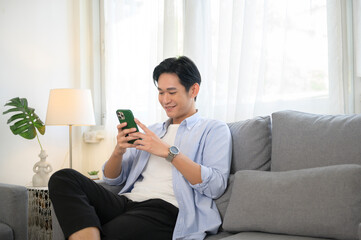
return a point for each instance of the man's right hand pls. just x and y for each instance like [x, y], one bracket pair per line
[114, 165]
[123, 139]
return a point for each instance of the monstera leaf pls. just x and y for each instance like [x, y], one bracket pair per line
[26, 119]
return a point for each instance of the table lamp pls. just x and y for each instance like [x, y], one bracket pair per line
[70, 107]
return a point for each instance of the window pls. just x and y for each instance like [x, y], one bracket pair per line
[255, 57]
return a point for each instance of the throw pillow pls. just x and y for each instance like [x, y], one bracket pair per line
[316, 202]
[222, 201]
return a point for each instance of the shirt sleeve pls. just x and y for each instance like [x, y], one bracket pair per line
[215, 162]
[128, 159]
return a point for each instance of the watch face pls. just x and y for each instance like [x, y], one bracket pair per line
[174, 150]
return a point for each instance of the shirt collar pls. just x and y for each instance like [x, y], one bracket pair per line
[189, 122]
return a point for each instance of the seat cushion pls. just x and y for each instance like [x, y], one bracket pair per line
[251, 140]
[6, 233]
[267, 236]
[220, 235]
[316, 202]
[304, 140]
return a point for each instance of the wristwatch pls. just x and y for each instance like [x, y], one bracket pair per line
[173, 152]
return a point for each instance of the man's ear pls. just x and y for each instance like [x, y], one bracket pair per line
[194, 90]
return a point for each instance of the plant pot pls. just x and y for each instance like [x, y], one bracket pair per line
[94, 177]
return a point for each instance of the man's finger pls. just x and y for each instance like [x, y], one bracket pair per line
[137, 135]
[121, 126]
[130, 138]
[130, 130]
[142, 126]
[129, 145]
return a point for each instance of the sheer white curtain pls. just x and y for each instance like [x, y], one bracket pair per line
[255, 57]
[133, 45]
[357, 36]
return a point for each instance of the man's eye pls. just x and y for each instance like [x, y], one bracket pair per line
[161, 93]
[172, 93]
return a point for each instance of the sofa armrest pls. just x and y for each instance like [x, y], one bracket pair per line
[14, 209]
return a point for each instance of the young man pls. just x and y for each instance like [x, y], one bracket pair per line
[172, 172]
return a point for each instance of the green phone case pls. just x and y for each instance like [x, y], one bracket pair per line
[126, 115]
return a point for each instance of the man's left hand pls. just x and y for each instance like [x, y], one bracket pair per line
[149, 141]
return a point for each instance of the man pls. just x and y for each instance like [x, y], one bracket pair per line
[172, 172]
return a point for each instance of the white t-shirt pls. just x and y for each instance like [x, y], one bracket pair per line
[157, 179]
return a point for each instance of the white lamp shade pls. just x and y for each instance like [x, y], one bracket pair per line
[70, 107]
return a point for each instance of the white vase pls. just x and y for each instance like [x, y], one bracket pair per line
[41, 170]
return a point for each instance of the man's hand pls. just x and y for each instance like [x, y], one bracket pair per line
[153, 144]
[114, 165]
[149, 141]
[122, 138]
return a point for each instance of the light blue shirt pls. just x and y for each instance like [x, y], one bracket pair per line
[208, 143]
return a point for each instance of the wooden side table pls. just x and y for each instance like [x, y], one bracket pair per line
[39, 219]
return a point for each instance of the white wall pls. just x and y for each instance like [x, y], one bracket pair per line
[37, 47]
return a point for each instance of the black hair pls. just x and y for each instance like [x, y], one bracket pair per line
[183, 67]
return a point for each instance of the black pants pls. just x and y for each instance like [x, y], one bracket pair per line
[80, 202]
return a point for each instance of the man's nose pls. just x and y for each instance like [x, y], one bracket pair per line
[167, 98]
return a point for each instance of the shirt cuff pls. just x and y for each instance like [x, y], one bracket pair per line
[206, 176]
[112, 181]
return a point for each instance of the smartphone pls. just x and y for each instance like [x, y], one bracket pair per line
[126, 115]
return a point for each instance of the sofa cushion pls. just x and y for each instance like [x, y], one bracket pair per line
[316, 202]
[251, 141]
[218, 236]
[303, 140]
[266, 236]
[6, 233]
[222, 202]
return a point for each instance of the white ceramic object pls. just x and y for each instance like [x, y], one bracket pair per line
[41, 170]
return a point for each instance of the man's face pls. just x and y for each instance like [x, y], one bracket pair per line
[176, 101]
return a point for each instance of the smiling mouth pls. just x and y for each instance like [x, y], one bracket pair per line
[169, 108]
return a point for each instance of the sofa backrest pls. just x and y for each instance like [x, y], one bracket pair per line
[303, 140]
[251, 141]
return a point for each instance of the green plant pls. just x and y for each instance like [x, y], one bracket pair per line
[93, 172]
[28, 121]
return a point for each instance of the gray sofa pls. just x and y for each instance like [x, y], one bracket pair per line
[310, 190]
[13, 212]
